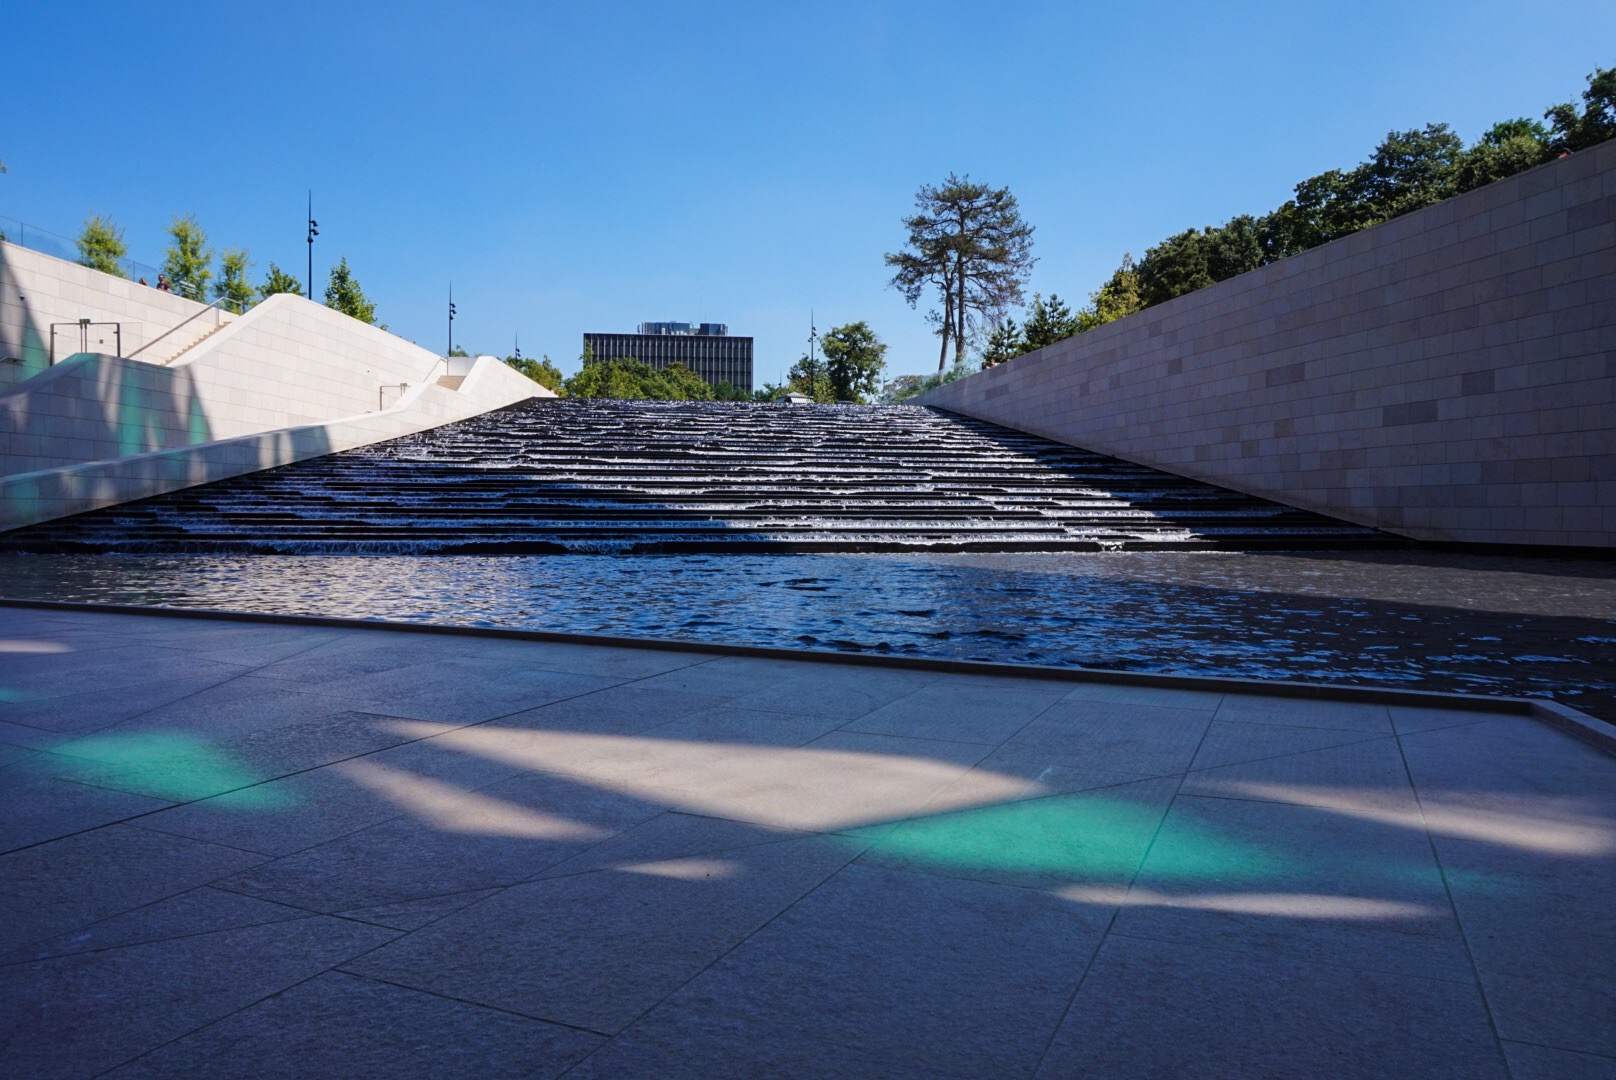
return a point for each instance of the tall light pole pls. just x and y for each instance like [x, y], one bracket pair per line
[451, 318]
[313, 232]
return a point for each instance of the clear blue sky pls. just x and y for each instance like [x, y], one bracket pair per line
[578, 167]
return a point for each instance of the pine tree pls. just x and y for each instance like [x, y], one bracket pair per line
[343, 294]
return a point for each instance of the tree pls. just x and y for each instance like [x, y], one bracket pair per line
[854, 357]
[1119, 296]
[1233, 247]
[1597, 121]
[770, 392]
[187, 258]
[969, 243]
[1004, 343]
[101, 246]
[1409, 170]
[631, 378]
[232, 284]
[1174, 267]
[279, 281]
[1508, 147]
[809, 376]
[1048, 321]
[901, 389]
[543, 372]
[342, 293]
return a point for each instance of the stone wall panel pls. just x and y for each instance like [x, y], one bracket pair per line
[1450, 375]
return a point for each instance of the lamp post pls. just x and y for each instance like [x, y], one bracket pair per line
[313, 232]
[451, 319]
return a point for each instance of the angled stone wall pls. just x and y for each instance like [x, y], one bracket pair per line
[39, 291]
[1450, 375]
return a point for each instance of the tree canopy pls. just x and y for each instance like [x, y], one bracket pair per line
[101, 246]
[810, 376]
[1596, 122]
[631, 378]
[543, 372]
[232, 285]
[279, 281]
[342, 293]
[1409, 170]
[969, 244]
[854, 358]
[187, 258]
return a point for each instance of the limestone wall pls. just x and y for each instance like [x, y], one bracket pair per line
[38, 290]
[1449, 375]
[289, 380]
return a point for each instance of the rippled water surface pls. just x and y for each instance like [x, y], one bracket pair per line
[1478, 624]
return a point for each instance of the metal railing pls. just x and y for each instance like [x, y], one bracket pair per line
[213, 307]
[45, 242]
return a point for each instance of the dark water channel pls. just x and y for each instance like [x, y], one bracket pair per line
[1423, 620]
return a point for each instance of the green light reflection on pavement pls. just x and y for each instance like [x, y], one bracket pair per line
[170, 765]
[1087, 838]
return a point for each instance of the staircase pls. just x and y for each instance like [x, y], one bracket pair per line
[194, 344]
[559, 476]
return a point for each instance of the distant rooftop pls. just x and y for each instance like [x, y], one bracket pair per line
[684, 329]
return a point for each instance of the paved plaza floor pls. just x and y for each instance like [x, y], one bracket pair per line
[242, 849]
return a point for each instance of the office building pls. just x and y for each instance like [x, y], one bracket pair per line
[708, 349]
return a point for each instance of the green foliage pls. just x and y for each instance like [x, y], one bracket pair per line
[854, 357]
[631, 378]
[458, 350]
[1509, 147]
[728, 391]
[1174, 267]
[279, 281]
[1048, 321]
[968, 243]
[101, 246]
[342, 293]
[770, 392]
[543, 372]
[1119, 296]
[956, 372]
[1410, 170]
[1597, 122]
[810, 376]
[901, 389]
[232, 285]
[187, 258]
[1004, 343]
[1195, 259]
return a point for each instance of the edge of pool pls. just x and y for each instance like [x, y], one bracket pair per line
[1579, 725]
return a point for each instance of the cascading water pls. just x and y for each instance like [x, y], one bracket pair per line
[550, 476]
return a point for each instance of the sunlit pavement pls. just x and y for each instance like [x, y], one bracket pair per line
[249, 849]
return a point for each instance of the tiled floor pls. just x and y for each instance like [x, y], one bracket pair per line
[245, 849]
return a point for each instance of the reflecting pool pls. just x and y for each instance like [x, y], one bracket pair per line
[1415, 619]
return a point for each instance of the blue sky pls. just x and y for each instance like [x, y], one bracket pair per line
[585, 167]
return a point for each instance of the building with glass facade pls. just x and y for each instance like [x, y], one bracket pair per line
[708, 349]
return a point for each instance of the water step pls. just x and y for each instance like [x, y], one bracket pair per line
[552, 476]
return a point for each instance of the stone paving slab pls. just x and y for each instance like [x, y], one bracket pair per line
[250, 849]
